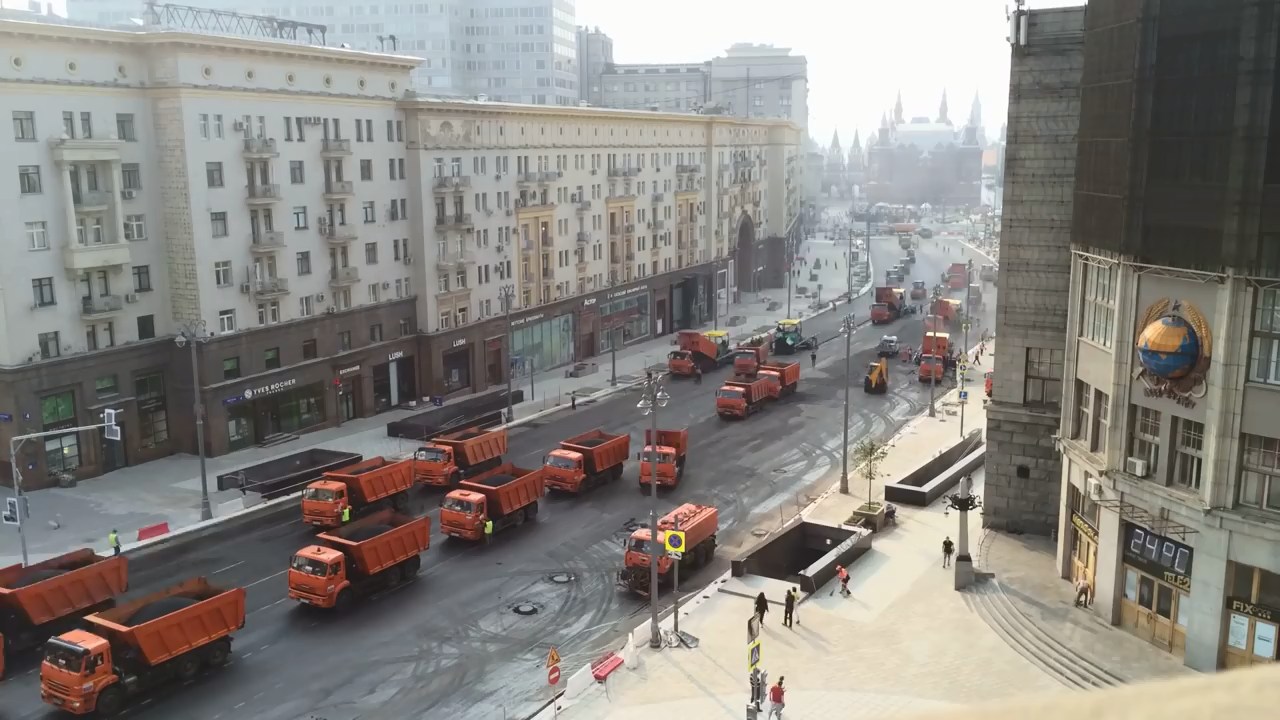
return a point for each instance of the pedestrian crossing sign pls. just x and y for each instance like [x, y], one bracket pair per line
[753, 655]
[675, 541]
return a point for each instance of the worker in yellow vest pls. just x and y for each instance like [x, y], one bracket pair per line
[346, 514]
[488, 531]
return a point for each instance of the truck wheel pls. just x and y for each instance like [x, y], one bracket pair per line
[343, 603]
[400, 501]
[455, 479]
[111, 701]
[412, 566]
[187, 667]
[533, 510]
[219, 653]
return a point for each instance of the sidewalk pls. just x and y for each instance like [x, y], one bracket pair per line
[904, 642]
[168, 490]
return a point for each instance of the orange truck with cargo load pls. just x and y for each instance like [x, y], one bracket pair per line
[41, 600]
[699, 523]
[783, 378]
[167, 635]
[707, 350]
[669, 452]
[932, 366]
[750, 355]
[358, 559]
[359, 487]
[506, 497]
[587, 460]
[888, 305]
[936, 343]
[741, 398]
[919, 290]
[958, 276]
[447, 460]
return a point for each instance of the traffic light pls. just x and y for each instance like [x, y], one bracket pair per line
[10, 511]
[112, 430]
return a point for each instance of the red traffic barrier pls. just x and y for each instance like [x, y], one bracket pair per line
[601, 669]
[150, 531]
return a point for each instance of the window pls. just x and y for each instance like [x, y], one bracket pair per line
[391, 135]
[271, 358]
[366, 166]
[49, 345]
[1144, 437]
[296, 174]
[29, 179]
[1098, 435]
[400, 168]
[37, 235]
[213, 174]
[300, 218]
[399, 131]
[444, 319]
[24, 125]
[142, 278]
[309, 350]
[218, 224]
[86, 125]
[146, 327]
[124, 127]
[370, 212]
[391, 168]
[404, 327]
[153, 416]
[306, 306]
[131, 176]
[1188, 446]
[62, 453]
[371, 253]
[344, 340]
[42, 288]
[222, 273]
[304, 263]
[374, 294]
[217, 126]
[1264, 363]
[1259, 469]
[375, 332]
[204, 126]
[135, 228]
[227, 321]
[230, 368]
[461, 315]
[1080, 423]
[1098, 315]
[106, 386]
[1043, 384]
[68, 124]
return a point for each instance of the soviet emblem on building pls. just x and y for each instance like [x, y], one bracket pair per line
[1174, 347]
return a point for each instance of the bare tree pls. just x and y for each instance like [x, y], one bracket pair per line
[868, 454]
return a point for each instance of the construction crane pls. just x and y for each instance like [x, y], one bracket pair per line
[225, 22]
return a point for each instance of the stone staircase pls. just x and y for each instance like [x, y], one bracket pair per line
[1031, 641]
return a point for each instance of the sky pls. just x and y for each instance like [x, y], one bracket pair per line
[860, 53]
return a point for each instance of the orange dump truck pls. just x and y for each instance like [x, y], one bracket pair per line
[41, 600]
[668, 452]
[358, 487]
[958, 276]
[936, 343]
[707, 350]
[447, 460]
[167, 635]
[888, 305]
[932, 368]
[372, 553]
[919, 290]
[699, 523]
[783, 378]
[741, 398]
[750, 355]
[587, 460]
[506, 497]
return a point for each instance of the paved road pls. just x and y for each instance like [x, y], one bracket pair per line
[450, 645]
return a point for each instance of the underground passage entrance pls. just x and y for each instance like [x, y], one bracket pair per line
[804, 554]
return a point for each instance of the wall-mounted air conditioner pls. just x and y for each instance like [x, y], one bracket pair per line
[244, 288]
[319, 297]
[131, 297]
[386, 285]
[1136, 467]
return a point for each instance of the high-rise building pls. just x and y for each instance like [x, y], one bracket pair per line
[761, 81]
[659, 87]
[595, 55]
[337, 247]
[508, 50]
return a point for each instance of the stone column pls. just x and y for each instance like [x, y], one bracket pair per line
[117, 210]
[69, 209]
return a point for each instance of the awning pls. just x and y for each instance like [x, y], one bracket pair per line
[1141, 516]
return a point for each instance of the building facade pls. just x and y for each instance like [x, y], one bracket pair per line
[1170, 491]
[332, 241]
[663, 87]
[595, 55]
[917, 161]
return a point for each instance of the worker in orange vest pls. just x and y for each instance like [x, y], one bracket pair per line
[844, 580]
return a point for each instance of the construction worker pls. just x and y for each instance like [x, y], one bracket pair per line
[113, 539]
[488, 531]
[697, 374]
[346, 514]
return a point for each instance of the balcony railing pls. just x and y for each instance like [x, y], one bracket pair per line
[452, 182]
[623, 172]
[91, 199]
[659, 224]
[454, 257]
[266, 242]
[339, 187]
[344, 275]
[657, 197]
[584, 206]
[688, 168]
[269, 192]
[339, 234]
[330, 146]
[583, 237]
[270, 286]
[454, 221]
[260, 147]
[527, 177]
[101, 305]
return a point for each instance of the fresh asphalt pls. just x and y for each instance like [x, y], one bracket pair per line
[469, 638]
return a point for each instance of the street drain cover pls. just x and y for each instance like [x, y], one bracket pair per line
[561, 578]
[525, 608]
[759, 532]
[779, 470]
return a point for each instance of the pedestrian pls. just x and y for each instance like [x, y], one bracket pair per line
[843, 574]
[813, 358]
[948, 548]
[795, 611]
[762, 607]
[1084, 593]
[788, 608]
[488, 531]
[697, 374]
[777, 697]
[113, 539]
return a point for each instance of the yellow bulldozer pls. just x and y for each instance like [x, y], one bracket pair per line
[877, 380]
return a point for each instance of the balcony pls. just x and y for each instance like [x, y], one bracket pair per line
[260, 148]
[270, 287]
[335, 148]
[583, 237]
[453, 258]
[262, 194]
[583, 206]
[451, 183]
[658, 197]
[629, 229]
[739, 165]
[548, 273]
[85, 150]
[79, 257]
[688, 169]
[659, 224]
[339, 235]
[265, 243]
[549, 176]
[456, 221]
[91, 201]
[338, 189]
[344, 276]
[526, 178]
[93, 308]
[631, 254]
[624, 172]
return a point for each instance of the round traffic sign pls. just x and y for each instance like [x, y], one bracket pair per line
[553, 675]
[675, 542]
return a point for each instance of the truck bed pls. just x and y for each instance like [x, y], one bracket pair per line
[475, 446]
[600, 450]
[63, 585]
[508, 488]
[201, 614]
[678, 439]
[375, 478]
[380, 540]
[789, 372]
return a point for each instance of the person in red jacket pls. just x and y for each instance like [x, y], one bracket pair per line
[776, 699]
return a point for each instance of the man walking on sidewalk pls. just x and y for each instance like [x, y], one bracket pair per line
[788, 608]
[948, 548]
[762, 607]
[813, 359]
[777, 700]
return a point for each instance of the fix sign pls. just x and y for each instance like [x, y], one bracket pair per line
[553, 657]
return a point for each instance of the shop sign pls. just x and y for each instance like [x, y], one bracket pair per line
[1079, 523]
[459, 342]
[273, 388]
[527, 319]
[1261, 612]
[349, 370]
[624, 293]
[392, 357]
[1157, 555]
[588, 302]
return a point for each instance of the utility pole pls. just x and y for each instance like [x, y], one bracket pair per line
[790, 271]
[933, 377]
[194, 333]
[968, 315]
[507, 295]
[652, 397]
[847, 328]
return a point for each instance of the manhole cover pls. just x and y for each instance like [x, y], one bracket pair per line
[779, 471]
[561, 578]
[759, 532]
[525, 608]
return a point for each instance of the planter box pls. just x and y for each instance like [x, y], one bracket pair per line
[870, 515]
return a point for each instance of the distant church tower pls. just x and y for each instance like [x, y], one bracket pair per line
[942, 110]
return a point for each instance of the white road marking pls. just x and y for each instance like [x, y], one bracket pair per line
[215, 572]
[255, 582]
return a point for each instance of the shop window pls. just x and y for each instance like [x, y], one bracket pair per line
[271, 358]
[1260, 473]
[153, 416]
[62, 453]
[1188, 453]
[59, 408]
[1253, 612]
[106, 386]
[230, 368]
[1083, 504]
[309, 350]
[1144, 437]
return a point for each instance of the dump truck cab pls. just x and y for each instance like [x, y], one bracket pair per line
[638, 549]
[919, 290]
[464, 509]
[324, 500]
[319, 572]
[680, 362]
[565, 465]
[731, 400]
[932, 366]
[665, 457]
[433, 460]
[77, 666]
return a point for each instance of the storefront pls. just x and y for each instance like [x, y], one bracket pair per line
[624, 317]
[1157, 586]
[456, 363]
[349, 390]
[1252, 617]
[395, 381]
[258, 413]
[540, 342]
[1084, 537]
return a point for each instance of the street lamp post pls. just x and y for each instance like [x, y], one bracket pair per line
[194, 334]
[963, 501]
[847, 328]
[506, 295]
[968, 315]
[933, 378]
[653, 396]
